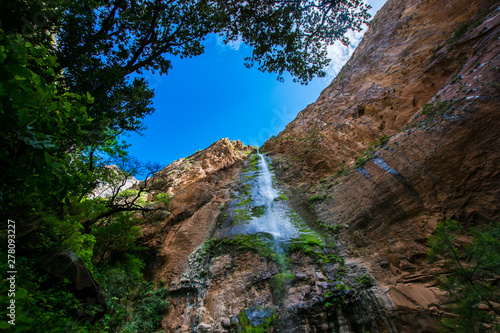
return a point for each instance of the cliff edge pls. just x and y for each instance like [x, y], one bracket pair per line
[404, 137]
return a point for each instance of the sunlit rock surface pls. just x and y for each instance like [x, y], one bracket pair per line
[422, 91]
[426, 76]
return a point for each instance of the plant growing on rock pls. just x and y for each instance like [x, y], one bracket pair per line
[473, 268]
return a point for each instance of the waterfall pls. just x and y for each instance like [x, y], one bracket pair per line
[265, 186]
[266, 210]
[265, 181]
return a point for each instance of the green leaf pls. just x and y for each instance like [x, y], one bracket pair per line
[21, 293]
[5, 325]
[47, 157]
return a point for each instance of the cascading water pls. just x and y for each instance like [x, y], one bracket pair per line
[264, 207]
[265, 270]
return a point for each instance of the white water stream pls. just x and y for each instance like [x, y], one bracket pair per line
[274, 216]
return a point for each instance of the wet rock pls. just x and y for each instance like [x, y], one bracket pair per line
[412, 80]
[204, 328]
[225, 322]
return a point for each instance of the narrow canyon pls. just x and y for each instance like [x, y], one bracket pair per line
[324, 228]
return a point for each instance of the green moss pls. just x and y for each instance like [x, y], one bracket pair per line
[241, 215]
[283, 197]
[253, 163]
[337, 296]
[364, 281]
[245, 325]
[310, 244]
[459, 32]
[261, 243]
[426, 108]
[317, 197]
[334, 229]
[279, 283]
[244, 202]
[298, 222]
[258, 211]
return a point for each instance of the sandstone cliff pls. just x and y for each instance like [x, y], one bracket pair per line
[198, 186]
[405, 136]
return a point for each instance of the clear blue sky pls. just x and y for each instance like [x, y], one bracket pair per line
[214, 96]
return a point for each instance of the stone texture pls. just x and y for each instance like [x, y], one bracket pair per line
[390, 76]
[198, 186]
[434, 166]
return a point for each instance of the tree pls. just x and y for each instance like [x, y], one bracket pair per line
[473, 269]
[101, 46]
[100, 43]
[70, 86]
[41, 128]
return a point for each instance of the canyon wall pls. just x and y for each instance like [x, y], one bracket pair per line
[198, 186]
[404, 137]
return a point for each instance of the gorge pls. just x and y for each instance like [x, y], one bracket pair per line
[404, 137]
[375, 210]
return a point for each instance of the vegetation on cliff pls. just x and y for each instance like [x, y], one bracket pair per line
[68, 90]
[473, 264]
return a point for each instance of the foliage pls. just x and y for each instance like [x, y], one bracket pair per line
[364, 280]
[254, 163]
[472, 265]
[260, 243]
[42, 123]
[308, 243]
[369, 153]
[70, 87]
[459, 32]
[337, 296]
[258, 211]
[47, 309]
[116, 237]
[133, 304]
[334, 229]
[438, 108]
[283, 197]
[131, 36]
[141, 310]
[317, 198]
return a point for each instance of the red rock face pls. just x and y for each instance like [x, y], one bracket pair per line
[426, 74]
[391, 75]
[198, 187]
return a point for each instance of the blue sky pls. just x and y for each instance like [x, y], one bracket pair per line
[214, 96]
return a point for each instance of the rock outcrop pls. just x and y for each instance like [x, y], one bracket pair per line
[405, 136]
[403, 60]
[198, 187]
[253, 277]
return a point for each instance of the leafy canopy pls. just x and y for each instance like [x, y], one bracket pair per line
[70, 85]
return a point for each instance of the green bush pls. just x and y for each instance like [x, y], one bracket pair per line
[37, 308]
[140, 311]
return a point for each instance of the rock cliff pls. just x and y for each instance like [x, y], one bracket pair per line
[404, 137]
[198, 186]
